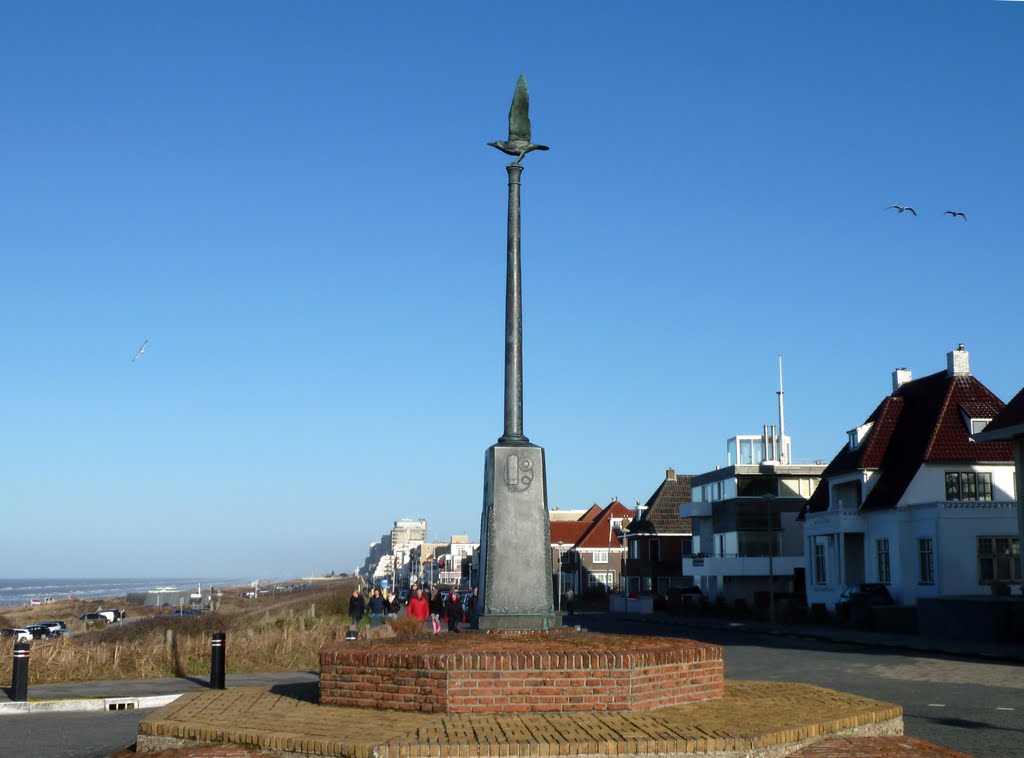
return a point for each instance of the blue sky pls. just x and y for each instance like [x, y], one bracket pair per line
[295, 204]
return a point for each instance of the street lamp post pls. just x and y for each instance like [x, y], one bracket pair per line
[560, 577]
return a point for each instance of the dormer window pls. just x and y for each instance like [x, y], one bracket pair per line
[856, 436]
[979, 424]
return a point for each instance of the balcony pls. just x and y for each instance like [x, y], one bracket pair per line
[695, 510]
[740, 565]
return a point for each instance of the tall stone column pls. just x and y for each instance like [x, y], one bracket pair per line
[515, 534]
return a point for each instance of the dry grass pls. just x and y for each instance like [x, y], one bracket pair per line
[275, 633]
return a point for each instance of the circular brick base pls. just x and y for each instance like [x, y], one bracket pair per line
[517, 672]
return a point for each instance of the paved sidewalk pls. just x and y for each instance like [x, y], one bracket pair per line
[753, 718]
[913, 643]
[135, 693]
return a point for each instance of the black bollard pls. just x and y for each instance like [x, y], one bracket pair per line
[19, 676]
[217, 661]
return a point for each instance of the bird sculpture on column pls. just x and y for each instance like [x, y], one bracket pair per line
[519, 132]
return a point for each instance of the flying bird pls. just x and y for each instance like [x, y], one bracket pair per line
[519, 132]
[902, 208]
[954, 214]
[141, 351]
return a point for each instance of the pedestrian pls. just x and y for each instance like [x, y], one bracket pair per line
[453, 609]
[570, 601]
[377, 605]
[472, 605]
[419, 607]
[356, 607]
[436, 609]
[393, 606]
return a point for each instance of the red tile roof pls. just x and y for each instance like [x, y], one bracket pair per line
[592, 513]
[599, 533]
[1009, 422]
[568, 532]
[922, 422]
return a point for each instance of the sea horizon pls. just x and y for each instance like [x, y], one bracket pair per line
[15, 592]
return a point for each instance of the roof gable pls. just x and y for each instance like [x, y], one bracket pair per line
[600, 534]
[922, 422]
[660, 515]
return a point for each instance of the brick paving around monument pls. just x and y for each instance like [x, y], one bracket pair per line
[751, 716]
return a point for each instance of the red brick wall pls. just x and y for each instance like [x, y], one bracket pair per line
[485, 681]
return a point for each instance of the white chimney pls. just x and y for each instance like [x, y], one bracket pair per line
[900, 377]
[958, 362]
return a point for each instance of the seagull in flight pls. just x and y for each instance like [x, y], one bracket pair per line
[141, 351]
[954, 214]
[902, 208]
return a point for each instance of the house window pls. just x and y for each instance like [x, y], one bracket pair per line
[819, 563]
[926, 560]
[600, 556]
[851, 439]
[655, 550]
[883, 561]
[603, 579]
[968, 485]
[998, 559]
[979, 424]
[634, 549]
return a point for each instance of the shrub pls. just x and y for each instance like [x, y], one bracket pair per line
[407, 627]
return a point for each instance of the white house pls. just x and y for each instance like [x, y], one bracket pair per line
[912, 501]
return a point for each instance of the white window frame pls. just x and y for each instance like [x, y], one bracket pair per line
[820, 564]
[600, 556]
[883, 563]
[994, 555]
[926, 560]
[604, 579]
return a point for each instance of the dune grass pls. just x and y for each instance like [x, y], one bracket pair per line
[275, 633]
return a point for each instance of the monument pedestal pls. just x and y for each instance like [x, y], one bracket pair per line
[515, 541]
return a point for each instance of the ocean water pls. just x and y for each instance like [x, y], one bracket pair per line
[23, 591]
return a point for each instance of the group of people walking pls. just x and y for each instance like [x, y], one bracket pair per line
[380, 606]
[432, 606]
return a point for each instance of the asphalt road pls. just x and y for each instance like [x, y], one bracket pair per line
[85, 734]
[970, 705]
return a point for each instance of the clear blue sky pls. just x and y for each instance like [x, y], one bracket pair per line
[295, 204]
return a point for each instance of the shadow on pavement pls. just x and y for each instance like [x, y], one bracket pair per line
[306, 691]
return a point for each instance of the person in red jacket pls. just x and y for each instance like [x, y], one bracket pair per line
[418, 608]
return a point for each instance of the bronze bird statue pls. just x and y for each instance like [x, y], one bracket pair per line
[902, 208]
[518, 143]
[954, 214]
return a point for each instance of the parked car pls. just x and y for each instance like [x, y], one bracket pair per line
[110, 615]
[54, 626]
[185, 612]
[41, 632]
[19, 635]
[868, 594]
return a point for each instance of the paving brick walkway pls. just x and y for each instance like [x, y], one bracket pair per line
[753, 716]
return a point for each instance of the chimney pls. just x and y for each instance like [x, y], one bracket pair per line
[900, 377]
[670, 475]
[958, 362]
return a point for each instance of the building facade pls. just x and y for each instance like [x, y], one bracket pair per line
[913, 501]
[747, 541]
